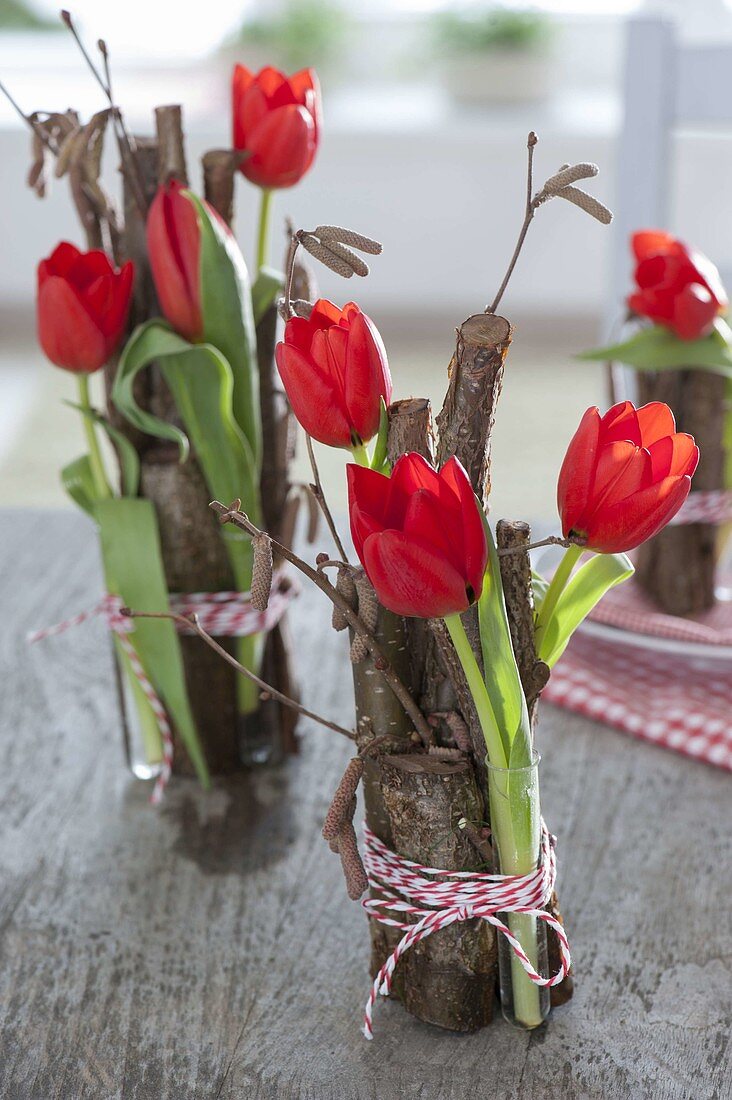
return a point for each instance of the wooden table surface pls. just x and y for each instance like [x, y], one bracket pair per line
[207, 948]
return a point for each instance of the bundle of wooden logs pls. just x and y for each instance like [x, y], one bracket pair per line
[194, 555]
[425, 792]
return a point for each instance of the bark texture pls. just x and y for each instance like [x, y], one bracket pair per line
[449, 978]
[380, 714]
[677, 567]
[514, 536]
[466, 420]
[219, 166]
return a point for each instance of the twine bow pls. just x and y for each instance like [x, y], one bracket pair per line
[441, 898]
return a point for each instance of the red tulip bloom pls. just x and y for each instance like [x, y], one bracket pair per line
[419, 535]
[82, 307]
[677, 286]
[334, 368]
[625, 475]
[174, 247]
[277, 122]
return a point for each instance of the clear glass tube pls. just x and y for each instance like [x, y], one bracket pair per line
[141, 739]
[515, 813]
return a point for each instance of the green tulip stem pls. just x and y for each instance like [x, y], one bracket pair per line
[265, 210]
[361, 455]
[557, 585]
[478, 690]
[511, 820]
[101, 484]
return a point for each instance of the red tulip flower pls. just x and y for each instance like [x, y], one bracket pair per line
[419, 535]
[174, 247]
[676, 286]
[625, 475]
[277, 123]
[334, 368]
[82, 307]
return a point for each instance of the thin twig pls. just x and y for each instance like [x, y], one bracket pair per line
[28, 120]
[528, 216]
[317, 489]
[232, 514]
[124, 140]
[292, 253]
[192, 621]
[551, 540]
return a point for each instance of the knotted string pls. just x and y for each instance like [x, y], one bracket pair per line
[441, 898]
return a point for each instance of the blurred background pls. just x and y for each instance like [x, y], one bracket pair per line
[427, 106]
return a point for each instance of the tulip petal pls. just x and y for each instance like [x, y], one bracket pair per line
[470, 528]
[578, 470]
[412, 579]
[674, 455]
[622, 469]
[424, 521]
[173, 240]
[655, 421]
[62, 259]
[632, 521]
[315, 402]
[620, 422]
[325, 313]
[66, 332]
[367, 377]
[651, 242]
[367, 502]
[694, 312]
[251, 109]
[281, 147]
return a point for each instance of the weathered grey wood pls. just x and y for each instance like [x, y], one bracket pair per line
[207, 949]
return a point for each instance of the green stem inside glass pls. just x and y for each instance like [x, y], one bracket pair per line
[515, 821]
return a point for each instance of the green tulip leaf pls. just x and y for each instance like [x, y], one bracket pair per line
[228, 318]
[201, 382]
[657, 348]
[129, 460]
[584, 591]
[133, 569]
[502, 678]
[147, 342]
[78, 481]
[539, 586]
[268, 285]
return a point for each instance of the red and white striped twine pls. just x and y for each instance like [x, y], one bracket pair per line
[705, 506]
[223, 614]
[440, 898]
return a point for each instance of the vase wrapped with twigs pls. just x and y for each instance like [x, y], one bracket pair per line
[194, 407]
[452, 639]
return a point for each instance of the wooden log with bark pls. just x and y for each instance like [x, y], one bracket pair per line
[414, 801]
[677, 567]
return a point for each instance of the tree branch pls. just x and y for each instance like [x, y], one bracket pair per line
[232, 514]
[191, 621]
[317, 489]
[531, 208]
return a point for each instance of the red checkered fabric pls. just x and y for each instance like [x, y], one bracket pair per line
[678, 700]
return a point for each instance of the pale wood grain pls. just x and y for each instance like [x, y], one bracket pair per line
[208, 950]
